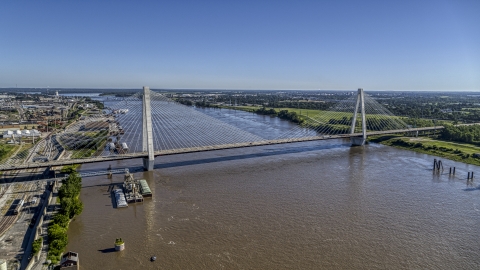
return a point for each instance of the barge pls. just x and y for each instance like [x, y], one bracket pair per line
[144, 188]
[120, 198]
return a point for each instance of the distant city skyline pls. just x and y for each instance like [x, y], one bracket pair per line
[244, 45]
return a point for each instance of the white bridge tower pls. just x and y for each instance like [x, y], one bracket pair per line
[360, 102]
[147, 141]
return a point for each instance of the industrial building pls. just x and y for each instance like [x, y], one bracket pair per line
[21, 133]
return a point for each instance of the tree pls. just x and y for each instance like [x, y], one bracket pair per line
[36, 245]
[77, 206]
[61, 220]
[55, 231]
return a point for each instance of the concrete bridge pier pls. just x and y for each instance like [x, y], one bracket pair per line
[357, 141]
[147, 142]
[148, 164]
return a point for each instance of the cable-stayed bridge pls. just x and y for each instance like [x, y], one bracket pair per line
[149, 124]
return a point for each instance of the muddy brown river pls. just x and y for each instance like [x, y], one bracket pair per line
[314, 205]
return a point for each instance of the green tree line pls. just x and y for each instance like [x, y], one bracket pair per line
[71, 205]
[283, 114]
[467, 134]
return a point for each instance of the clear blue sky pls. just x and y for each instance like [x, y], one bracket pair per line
[377, 45]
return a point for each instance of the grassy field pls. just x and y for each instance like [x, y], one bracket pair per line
[82, 153]
[318, 115]
[462, 152]
[6, 150]
[69, 168]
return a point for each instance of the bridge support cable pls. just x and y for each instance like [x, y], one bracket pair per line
[325, 123]
[333, 121]
[394, 122]
[185, 127]
[379, 122]
[182, 125]
[176, 128]
[354, 118]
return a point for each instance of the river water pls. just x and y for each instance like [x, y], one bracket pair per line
[313, 205]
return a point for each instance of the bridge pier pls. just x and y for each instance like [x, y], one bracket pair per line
[357, 141]
[147, 142]
[148, 164]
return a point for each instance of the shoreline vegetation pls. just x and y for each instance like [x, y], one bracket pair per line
[70, 206]
[458, 143]
[462, 152]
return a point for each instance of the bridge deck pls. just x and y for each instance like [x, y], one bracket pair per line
[64, 162]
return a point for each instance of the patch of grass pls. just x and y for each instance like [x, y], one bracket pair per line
[6, 206]
[82, 153]
[69, 168]
[6, 151]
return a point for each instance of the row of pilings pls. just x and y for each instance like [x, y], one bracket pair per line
[438, 167]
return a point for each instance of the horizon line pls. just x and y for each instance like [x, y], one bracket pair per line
[231, 89]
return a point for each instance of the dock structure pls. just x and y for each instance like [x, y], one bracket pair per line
[144, 188]
[133, 197]
[120, 198]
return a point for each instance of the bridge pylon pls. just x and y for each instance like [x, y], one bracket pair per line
[147, 132]
[360, 103]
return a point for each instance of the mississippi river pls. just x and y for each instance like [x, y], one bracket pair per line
[315, 205]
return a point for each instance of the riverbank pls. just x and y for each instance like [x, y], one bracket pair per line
[462, 152]
[70, 206]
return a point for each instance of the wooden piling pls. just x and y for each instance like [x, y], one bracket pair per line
[453, 170]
